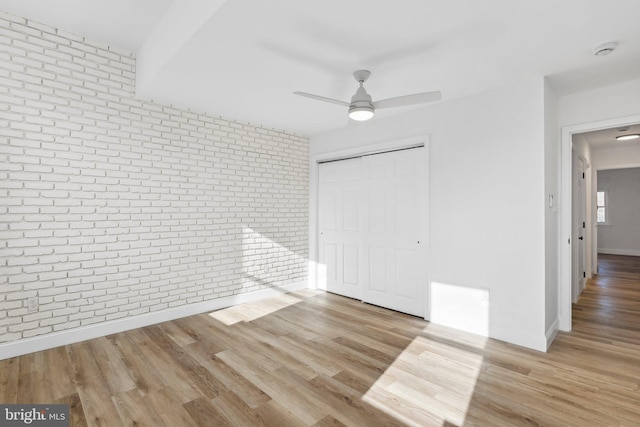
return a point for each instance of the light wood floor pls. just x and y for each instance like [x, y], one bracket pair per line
[313, 358]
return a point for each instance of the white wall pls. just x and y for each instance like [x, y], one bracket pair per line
[113, 208]
[600, 104]
[613, 157]
[616, 157]
[487, 198]
[621, 235]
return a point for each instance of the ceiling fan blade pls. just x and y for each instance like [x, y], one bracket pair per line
[401, 101]
[322, 98]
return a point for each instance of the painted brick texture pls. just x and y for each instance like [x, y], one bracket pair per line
[111, 206]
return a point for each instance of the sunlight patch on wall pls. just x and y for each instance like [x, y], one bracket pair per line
[460, 307]
[267, 263]
[318, 273]
[434, 380]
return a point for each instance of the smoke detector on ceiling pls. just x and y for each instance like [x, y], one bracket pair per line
[605, 49]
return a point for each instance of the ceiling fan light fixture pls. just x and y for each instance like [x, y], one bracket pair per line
[362, 107]
[361, 113]
[627, 137]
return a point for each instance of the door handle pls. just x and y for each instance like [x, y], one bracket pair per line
[581, 238]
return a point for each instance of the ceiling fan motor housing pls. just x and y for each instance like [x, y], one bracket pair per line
[361, 96]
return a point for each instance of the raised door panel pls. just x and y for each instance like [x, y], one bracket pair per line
[378, 270]
[351, 263]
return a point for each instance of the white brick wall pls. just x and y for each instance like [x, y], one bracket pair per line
[111, 206]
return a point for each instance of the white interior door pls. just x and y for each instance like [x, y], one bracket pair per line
[340, 226]
[395, 246]
[582, 229]
[579, 228]
[373, 228]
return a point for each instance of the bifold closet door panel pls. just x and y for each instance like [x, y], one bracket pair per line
[395, 231]
[340, 226]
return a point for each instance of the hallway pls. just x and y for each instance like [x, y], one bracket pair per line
[609, 308]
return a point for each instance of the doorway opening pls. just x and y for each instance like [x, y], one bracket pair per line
[590, 147]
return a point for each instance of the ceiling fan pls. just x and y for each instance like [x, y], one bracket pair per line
[362, 107]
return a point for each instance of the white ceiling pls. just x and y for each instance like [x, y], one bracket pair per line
[121, 23]
[607, 138]
[242, 59]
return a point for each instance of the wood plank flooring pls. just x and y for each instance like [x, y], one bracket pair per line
[316, 359]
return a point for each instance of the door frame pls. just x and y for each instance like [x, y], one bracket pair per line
[315, 270]
[564, 237]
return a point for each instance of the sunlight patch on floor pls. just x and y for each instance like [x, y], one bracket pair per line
[250, 311]
[431, 382]
[264, 266]
[455, 336]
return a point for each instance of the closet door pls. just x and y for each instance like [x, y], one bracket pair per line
[340, 226]
[373, 228]
[395, 231]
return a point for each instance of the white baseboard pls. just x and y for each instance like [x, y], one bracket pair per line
[552, 332]
[56, 339]
[628, 252]
[534, 342]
